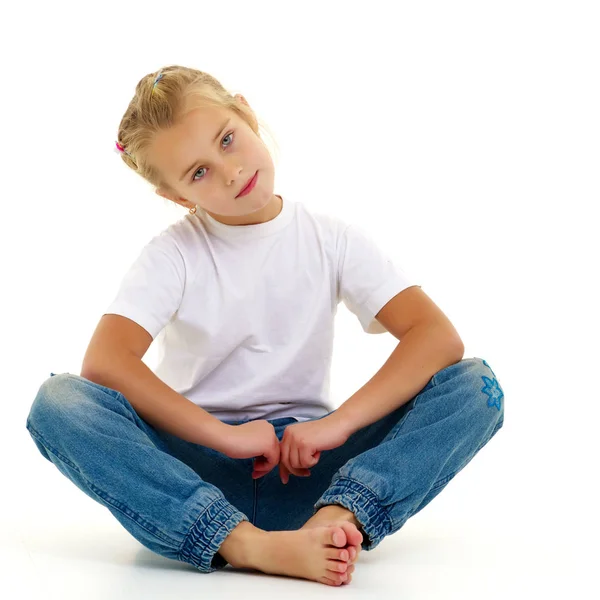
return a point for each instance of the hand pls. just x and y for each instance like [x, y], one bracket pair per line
[302, 444]
[255, 439]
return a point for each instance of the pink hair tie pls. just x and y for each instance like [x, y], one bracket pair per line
[120, 149]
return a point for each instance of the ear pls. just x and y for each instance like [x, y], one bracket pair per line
[242, 99]
[162, 193]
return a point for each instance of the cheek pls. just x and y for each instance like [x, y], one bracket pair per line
[264, 156]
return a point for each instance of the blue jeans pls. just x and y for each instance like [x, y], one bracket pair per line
[181, 500]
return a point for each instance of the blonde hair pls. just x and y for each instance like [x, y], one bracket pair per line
[158, 107]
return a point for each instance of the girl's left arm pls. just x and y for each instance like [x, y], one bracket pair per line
[424, 350]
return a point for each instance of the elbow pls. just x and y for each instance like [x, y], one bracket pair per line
[447, 339]
[456, 350]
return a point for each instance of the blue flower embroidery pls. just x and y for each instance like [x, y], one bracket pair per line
[494, 392]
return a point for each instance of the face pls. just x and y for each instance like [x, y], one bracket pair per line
[208, 157]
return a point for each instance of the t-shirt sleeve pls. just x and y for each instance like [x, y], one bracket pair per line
[152, 289]
[368, 279]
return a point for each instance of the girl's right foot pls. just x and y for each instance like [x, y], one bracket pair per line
[318, 554]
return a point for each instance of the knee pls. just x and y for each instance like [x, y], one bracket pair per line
[484, 390]
[53, 398]
[474, 383]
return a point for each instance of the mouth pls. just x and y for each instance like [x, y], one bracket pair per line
[249, 185]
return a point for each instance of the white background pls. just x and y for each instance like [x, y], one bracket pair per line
[463, 135]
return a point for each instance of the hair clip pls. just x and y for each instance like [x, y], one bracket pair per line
[158, 78]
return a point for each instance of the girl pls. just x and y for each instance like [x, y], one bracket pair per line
[241, 295]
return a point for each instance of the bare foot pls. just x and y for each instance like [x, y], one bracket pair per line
[317, 553]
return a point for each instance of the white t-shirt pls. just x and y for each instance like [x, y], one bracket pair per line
[244, 315]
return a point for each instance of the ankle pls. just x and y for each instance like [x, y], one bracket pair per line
[237, 548]
[336, 511]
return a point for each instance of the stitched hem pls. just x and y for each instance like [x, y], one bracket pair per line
[365, 505]
[201, 545]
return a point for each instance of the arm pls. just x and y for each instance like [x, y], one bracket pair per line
[424, 350]
[154, 401]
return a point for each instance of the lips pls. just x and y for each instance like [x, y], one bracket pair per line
[248, 183]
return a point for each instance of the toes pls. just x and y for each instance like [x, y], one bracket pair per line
[349, 573]
[328, 581]
[337, 537]
[337, 566]
[337, 554]
[353, 535]
[348, 554]
[354, 552]
[333, 578]
[337, 578]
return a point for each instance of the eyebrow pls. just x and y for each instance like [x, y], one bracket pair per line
[214, 140]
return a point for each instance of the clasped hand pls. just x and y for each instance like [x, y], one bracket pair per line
[299, 450]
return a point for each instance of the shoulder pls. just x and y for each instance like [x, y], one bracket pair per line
[182, 240]
[330, 225]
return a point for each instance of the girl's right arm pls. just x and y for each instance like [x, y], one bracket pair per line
[114, 359]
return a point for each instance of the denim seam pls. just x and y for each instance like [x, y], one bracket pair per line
[441, 482]
[116, 504]
[417, 399]
[356, 482]
[49, 448]
[400, 425]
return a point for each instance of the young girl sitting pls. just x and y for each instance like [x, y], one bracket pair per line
[230, 451]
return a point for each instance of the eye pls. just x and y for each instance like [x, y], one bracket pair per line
[204, 168]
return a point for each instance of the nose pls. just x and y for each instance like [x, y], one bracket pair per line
[232, 174]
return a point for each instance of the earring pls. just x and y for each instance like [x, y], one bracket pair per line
[193, 210]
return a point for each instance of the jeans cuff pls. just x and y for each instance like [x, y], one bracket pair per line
[365, 505]
[201, 544]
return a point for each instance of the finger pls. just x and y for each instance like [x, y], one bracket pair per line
[284, 453]
[295, 457]
[272, 455]
[283, 473]
[285, 460]
[286, 470]
[266, 463]
[299, 472]
[261, 468]
[308, 459]
[294, 466]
